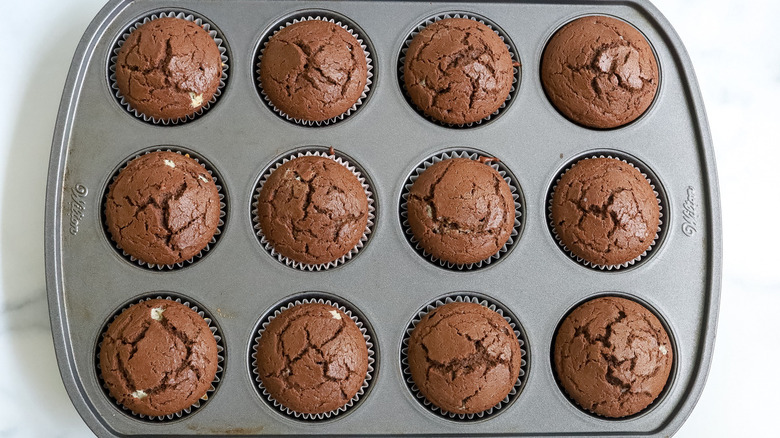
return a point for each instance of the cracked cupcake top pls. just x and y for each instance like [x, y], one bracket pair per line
[464, 357]
[461, 210]
[163, 208]
[605, 211]
[312, 358]
[158, 357]
[313, 70]
[168, 68]
[312, 210]
[612, 356]
[458, 71]
[599, 72]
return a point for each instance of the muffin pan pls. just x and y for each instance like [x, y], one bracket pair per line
[387, 283]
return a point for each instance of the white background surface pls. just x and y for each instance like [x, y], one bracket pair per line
[735, 48]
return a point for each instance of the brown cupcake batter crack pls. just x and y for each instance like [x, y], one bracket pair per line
[313, 210]
[338, 221]
[625, 346]
[331, 371]
[604, 217]
[312, 73]
[600, 72]
[474, 78]
[444, 224]
[170, 378]
[313, 70]
[612, 65]
[478, 60]
[468, 359]
[169, 233]
[313, 359]
[473, 216]
[620, 210]
[168, 68]
[157, 210]
[480, 358]
[142, 374]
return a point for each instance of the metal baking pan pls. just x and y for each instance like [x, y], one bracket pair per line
[388, 282]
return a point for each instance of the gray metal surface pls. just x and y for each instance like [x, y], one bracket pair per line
[388, 282]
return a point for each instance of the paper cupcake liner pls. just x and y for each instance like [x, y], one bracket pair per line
[339, 21]
[669, 380]
[580, 260]
[465, 297]
[208, 27]
[308, 299]
[495, 28]
[220, 225]
[220, 359]
[472, 155]
[339, 158]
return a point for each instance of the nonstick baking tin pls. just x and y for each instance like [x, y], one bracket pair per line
[239, 282]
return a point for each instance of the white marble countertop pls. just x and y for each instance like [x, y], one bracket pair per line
[736, 53]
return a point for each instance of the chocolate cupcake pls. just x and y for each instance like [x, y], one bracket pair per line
[599, 72]
[458, 71]
[313, 70]
[461, 211]
[158, 358]
[168, 69]
[464, 358]
[612, 356]
[605, 212]
[313, 210]
[163, 208]
[312, 359]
